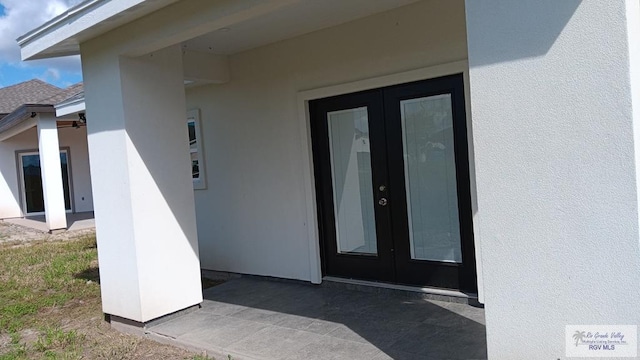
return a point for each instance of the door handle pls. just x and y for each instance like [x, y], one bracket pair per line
[382, 202]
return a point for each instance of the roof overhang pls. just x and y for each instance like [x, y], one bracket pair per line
[26, 116]
[62, 35]
[21, 119]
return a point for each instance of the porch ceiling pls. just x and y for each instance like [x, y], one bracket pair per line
[243, 28]
[297, 18]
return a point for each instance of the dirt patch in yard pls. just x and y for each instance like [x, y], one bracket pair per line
[50, 304]
[13, 234]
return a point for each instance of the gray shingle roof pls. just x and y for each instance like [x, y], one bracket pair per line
[64, 94]
[34, 92]
[28, 92]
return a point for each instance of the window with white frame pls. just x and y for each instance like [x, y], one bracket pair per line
[195, 148]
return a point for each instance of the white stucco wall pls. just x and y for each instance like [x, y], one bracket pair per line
[74, 139]
[554, 140]
[252, 218]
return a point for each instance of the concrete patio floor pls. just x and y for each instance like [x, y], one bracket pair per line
[75, 221]
[253, 318]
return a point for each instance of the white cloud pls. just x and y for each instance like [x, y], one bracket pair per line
[21, 16]
[50, 75]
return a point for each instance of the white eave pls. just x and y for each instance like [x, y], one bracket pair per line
[61, 36]
[72, 105]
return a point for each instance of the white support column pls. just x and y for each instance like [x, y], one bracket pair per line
[142, 186]
[554, 133]
[49, 148]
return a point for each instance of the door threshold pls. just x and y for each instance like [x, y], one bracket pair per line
[426, 292]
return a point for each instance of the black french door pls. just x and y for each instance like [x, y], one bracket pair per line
[392, 182]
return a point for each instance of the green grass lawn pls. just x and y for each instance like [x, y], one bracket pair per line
[50, 307]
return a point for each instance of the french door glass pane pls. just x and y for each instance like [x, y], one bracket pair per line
[65, 180]
[34, 198]
[430, 178]
[352, 181]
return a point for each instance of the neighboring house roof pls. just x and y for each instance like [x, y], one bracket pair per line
[22, 114]
[28, 92]
[65, 94]
[18, 102]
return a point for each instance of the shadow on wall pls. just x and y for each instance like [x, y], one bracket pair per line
[533, 35]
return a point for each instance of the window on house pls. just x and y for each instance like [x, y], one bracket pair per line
[32, 192]
[195, 149]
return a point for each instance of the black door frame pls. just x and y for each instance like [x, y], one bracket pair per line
[386, 266]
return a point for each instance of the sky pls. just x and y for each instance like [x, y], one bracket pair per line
[18, 17]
